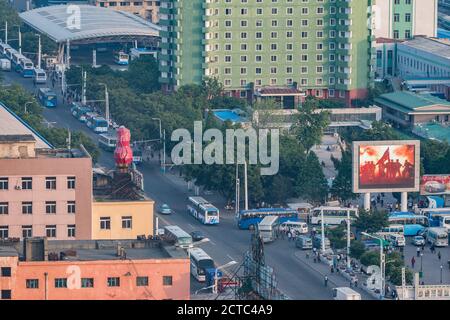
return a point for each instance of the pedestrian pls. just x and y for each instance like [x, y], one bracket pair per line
[356, 282]
[439, 256]
[289, 235]
[423, 247]
[432, 248]
[418, 252]
[413, 261]
[307, 255]
[326, 281]
[332, 269]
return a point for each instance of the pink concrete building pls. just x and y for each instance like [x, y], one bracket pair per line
[94, 270]
[44, 192]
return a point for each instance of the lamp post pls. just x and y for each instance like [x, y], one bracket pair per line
[382, 262]
[39, 50]
[421, 264]
[160, 138]
[441, 273]
[216, 278]
[106, 103]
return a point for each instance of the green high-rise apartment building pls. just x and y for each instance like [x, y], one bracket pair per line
[279, 48]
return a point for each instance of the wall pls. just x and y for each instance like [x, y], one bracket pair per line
[140, 211]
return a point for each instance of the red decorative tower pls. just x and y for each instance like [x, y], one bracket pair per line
[123, 155]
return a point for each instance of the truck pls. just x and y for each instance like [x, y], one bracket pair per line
[267, 228]
[5, 65]
[345, 293]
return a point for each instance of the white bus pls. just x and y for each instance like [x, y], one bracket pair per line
[178, 236]
[267, 228]
[200, 261]
[203, 211]
[3, 48]
[444, 222]
[332, 215]
[437, 237]
[345, 293]
[107, 141]
[39, 76]
[298, 226]
[391, 229]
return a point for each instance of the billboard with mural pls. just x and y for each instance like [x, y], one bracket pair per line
[435, 184]
[386, 166]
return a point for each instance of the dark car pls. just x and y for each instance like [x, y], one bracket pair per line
[197, 235]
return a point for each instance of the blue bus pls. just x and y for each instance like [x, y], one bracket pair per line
[249, 219]
[412, 223]
[26, 68]
[203, 211]
[97, 124]
[47, 97]
[79, 112]
[434, 215]
[137, 155]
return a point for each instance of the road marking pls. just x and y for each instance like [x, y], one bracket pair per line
[230, 257]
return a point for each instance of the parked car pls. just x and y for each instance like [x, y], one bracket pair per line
[418, 241]
[197, 235]
[164, 209]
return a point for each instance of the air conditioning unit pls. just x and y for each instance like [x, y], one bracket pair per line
[18, 187]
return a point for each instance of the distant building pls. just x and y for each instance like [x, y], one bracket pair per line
[404, 19]
[407, 110]
[147, 9]
[93, 270]
[386, 58]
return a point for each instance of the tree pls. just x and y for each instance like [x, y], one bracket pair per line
[370, 258]
[357, 249]
[311, 182]
[212, 87]
[372, 221]
[342, 185]
[337, 237]
[143, 74]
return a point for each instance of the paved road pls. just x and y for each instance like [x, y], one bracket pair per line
[296, 279]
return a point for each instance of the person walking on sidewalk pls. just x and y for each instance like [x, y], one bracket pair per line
[418, 252]
[439, 256]
[413, 261]
[326, 280]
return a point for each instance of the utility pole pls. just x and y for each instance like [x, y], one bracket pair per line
[6, 32]
[164, 151]
[69, 139]
[323, 231]
[20, 41]
[245, 185]
[237, 190]
[39, 51]
[348, 239]
[83, 94]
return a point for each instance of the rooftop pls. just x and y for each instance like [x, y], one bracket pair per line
[95, 22]
[12, 124]
[410, 102]
[440, 48]
[16, 138]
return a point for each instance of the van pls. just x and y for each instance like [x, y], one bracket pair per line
[317, 242]
[303, 243]
[300, 227]
[437, 237]
[397, 240]
[39, 76]
[345, 293]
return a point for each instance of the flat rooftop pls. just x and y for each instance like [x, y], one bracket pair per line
[12, 124]
[95, 23]
[440, 48]
[406, 101]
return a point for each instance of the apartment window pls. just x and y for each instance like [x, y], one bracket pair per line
[32, 283]
[6, 294]
[71, 207]
[71, 182]
[105, 223]
[142, 281]
[61, 283]
[113, 282]
[4, 208]
[27, 183]
[27, 207]
[71, 231]
[50, 207]
[27, 231]
[50, 183]
[4, 232]
[4, 184]
[127, 222]
[87, 282]
[50, 231]
[5, 271]
[167, 280]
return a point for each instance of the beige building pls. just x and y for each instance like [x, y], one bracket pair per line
[146, 9]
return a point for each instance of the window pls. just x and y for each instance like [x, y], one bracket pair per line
[4, 207]
[50, 207]
[4, 185]
[5, 272]
[105, 223]
[27, 231]
[4, 232]
[50, 231]
[32, 283]
[142, 281]
[113, 282]
[70, 206]
[6, 294]
[87, 282]
[167, 280]
[27, 207]
[50, 183]
[27, 183]
[71, 231]
[127, 222]
[61, 283]
[71, 182]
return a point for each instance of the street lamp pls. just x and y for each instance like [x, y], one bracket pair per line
[106, 102]
[163, 158]
[25, 107]
[39, 50]
[381, 261]
[421, 264]
[441, 273]
[216, 278]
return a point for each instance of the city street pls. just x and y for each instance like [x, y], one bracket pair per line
[295, 278]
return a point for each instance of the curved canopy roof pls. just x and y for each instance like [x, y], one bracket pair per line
[59, 22]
